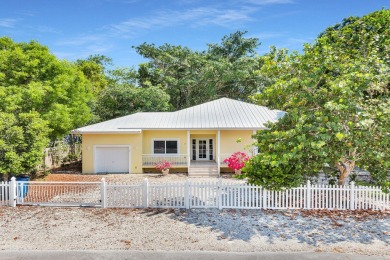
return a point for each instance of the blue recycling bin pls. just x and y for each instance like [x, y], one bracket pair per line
[22, 186]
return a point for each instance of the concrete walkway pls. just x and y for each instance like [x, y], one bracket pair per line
[170, 255]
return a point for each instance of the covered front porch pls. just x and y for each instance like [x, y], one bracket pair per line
[201, 153]
[193, 167]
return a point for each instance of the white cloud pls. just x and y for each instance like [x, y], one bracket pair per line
[229, 13]
[226, 18]
[8, 22]
[201, 16]
[45, 29]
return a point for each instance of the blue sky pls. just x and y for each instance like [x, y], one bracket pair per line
[74, 29]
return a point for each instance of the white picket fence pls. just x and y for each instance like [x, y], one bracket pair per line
[4, 194]
[191, 194]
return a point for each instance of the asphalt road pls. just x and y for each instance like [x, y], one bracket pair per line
[165, 255]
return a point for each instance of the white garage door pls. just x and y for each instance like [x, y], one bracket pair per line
[112, 159]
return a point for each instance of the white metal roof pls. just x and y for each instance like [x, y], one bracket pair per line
[223, 113]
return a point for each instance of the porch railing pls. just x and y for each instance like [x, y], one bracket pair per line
[175, 159]
[224, 156]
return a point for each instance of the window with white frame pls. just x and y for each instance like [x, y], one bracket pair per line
[162, 146]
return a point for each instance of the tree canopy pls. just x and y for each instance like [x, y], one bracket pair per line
[23, 138]
[336, 95]
[122, 97]
[191, 77]
[42, 98]
[33, 79]
[94, 69]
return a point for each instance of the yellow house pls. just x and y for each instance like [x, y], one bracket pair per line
[196, 139]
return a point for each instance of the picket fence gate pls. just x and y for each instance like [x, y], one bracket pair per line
[191, 194]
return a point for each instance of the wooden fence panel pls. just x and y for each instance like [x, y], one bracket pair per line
[124, 196]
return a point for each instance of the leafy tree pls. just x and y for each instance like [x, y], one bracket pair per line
[41, 99]
[122, 100]
[124, 76]
[122, 97]
[32, 79]
[93, 69]
[337, 100]
[234, 47]
[23, 138]
[190, 77]
[232, 68]
[174, 68]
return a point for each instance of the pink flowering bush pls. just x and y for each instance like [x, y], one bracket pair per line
[237, 160]
[163, 165]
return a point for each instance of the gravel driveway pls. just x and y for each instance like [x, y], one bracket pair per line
[49, 228]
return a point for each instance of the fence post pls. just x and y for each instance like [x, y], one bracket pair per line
[219, 194]
[187, 194]
[308, 195]
[146, 193]
[352, 196]
[264, 198]
[12, 192]
[103, 193]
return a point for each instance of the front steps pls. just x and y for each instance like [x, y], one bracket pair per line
[203, 169]
[203, 172]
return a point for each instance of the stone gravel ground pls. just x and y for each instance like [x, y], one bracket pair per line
[49, 228]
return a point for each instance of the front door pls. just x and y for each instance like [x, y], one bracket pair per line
[202, 149]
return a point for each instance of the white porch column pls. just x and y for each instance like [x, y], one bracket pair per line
[188, 150]
[219, 151]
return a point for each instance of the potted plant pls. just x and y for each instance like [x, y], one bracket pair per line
[237, 161]
[163, 166]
